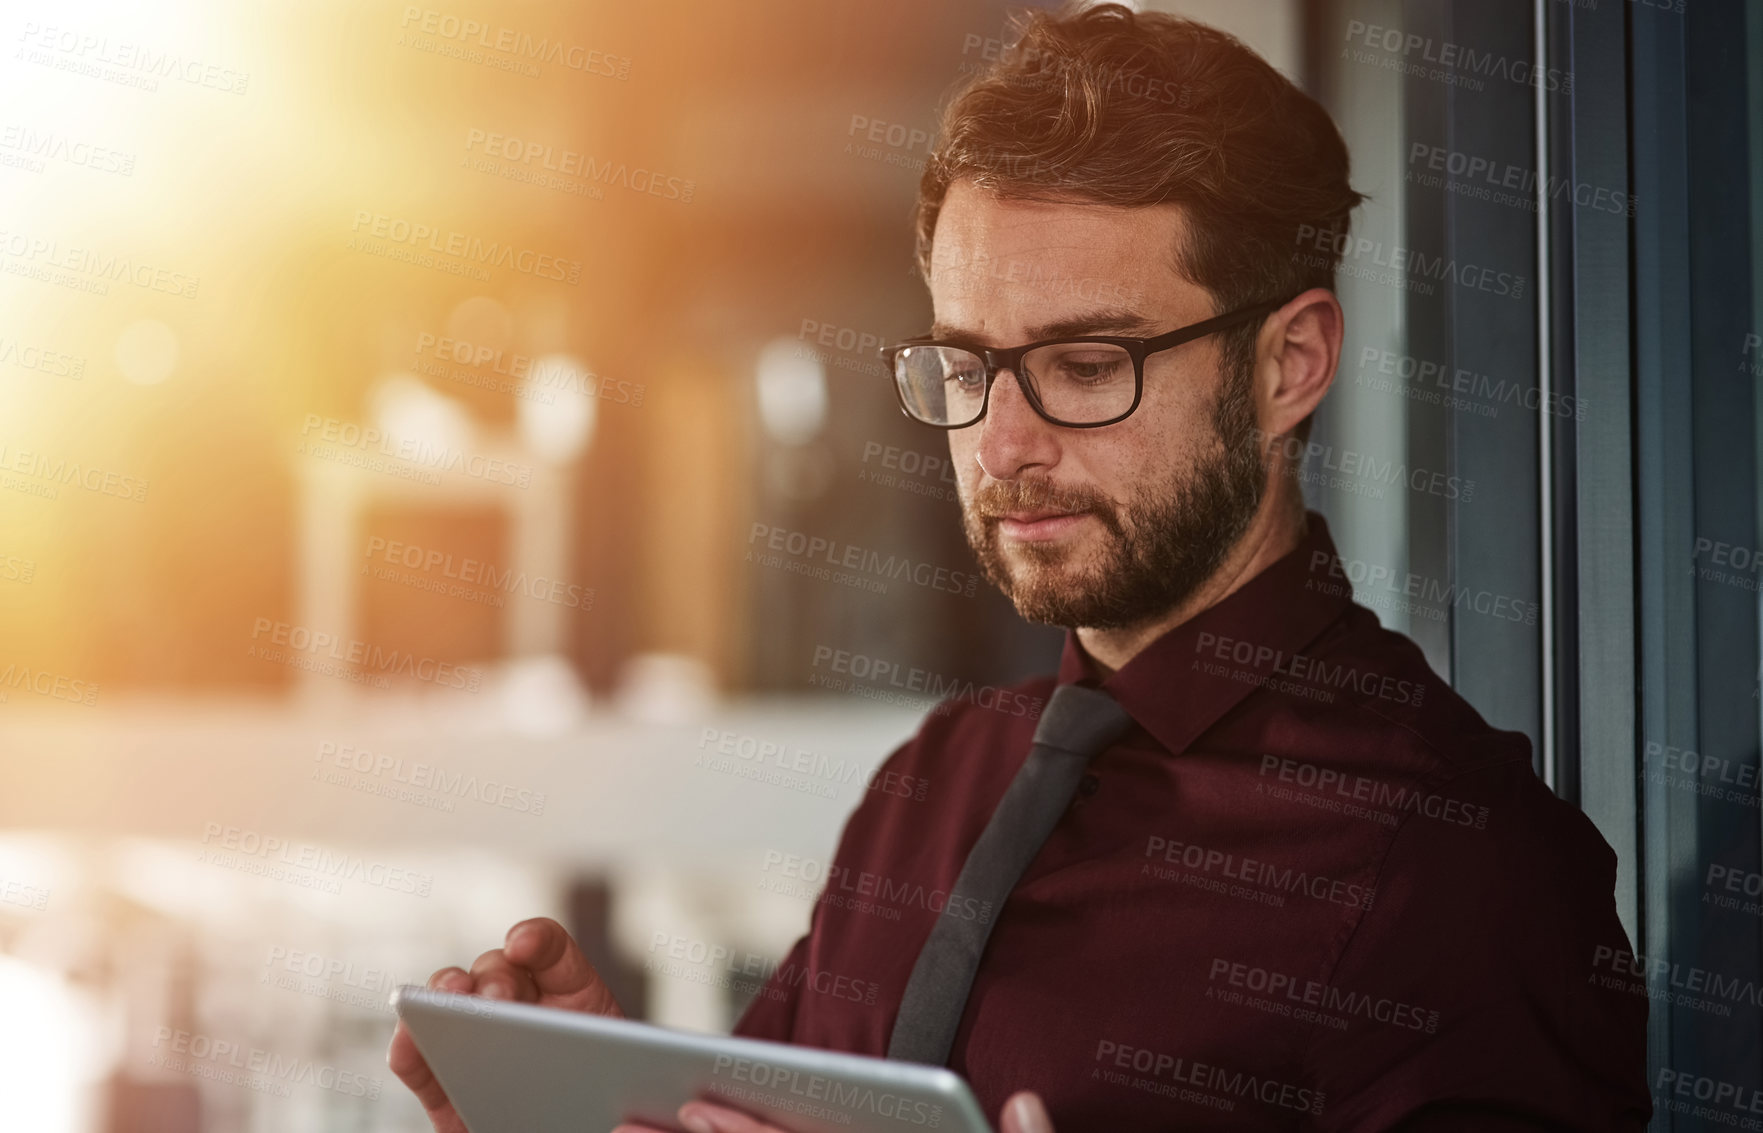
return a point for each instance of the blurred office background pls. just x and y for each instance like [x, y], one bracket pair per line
[402, 407]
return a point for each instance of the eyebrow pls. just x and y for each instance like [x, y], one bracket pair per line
[1102, 321]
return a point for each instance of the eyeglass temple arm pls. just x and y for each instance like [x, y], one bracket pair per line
[1215, 323]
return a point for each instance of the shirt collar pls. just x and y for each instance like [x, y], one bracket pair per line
[1180, 684]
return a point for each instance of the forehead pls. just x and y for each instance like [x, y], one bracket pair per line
[999, 265]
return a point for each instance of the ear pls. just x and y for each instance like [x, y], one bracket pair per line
[1296, 356]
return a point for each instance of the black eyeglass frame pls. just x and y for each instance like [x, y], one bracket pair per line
[1010, 358]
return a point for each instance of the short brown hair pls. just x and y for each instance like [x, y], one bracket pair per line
[1108, 106]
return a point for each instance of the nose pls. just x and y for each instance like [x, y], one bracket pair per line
[1012, 436]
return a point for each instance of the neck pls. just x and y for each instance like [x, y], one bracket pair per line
[1275, 531]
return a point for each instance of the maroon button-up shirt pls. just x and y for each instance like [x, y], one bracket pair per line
[1311, 889]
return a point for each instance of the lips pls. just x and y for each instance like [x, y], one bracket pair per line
[1038, 525]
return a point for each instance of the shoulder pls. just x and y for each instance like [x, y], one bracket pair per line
[1396, 723]
[1368, 693]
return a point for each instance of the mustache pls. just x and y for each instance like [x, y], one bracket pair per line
[1000, 497]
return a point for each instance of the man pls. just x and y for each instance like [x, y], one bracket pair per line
[1307, 887]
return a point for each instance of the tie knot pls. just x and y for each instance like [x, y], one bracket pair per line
[1081, 720]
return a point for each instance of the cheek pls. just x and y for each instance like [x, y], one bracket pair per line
[962, 445]
[1170, 428]
[1183, 416]
[1175, 399]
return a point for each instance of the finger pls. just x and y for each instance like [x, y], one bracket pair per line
[1024, 1113]
[702, 1117]
[404, 1060]
[498, 977]
[561, 972]
[456, 980]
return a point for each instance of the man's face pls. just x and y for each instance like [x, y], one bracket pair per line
[1109, 527]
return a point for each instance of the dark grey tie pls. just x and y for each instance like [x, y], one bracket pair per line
[1077, 722]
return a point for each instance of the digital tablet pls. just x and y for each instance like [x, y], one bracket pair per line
[517, 1068]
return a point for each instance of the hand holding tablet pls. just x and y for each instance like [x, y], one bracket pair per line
[531, 1041]
[539, 963]
[1023, 1113]
[522, 1068]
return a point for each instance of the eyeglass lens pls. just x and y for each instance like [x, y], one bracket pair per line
[1076, 382]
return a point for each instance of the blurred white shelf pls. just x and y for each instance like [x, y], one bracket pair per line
[616, 791]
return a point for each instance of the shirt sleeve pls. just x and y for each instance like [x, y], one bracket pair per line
[772, 1013]
[1478, 955]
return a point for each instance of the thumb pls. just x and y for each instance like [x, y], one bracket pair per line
[1024, 1113]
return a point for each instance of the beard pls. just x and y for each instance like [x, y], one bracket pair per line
[1168, 539]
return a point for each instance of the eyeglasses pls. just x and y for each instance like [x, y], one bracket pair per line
[1080, 383]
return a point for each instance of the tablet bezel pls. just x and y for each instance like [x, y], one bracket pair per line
[425, 1011]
